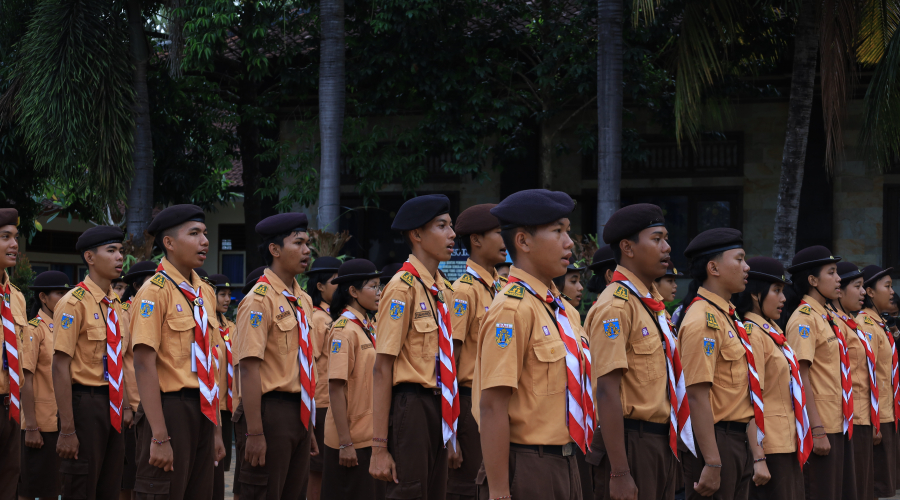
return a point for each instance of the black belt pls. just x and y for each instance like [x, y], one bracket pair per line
[564, 450]
[416, 389]
[182, 394]
[465, 391]
[6, 400]
[100, 390]
[284, 396]
[648, 427]
[732, 426]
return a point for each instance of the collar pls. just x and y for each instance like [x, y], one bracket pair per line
[324, 306]
[177, 277]
[96, 293]
[4, 280]
[818, 308]
[360, 316]
[533, 282]
[639, 284]
[279, 285]
[424, 275]
[715, 299]
[872, 313]
[759, 320]
[484, 273]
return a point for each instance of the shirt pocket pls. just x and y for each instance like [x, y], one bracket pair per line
[649, 360]
[731, 368]
[426, 332]
[179, 336]
[286, 326]
[92, 350]
[548, 368]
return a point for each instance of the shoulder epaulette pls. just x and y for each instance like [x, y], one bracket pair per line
[342, 322]
[504, 279]
[516, 291]
[748, 327]
[868, 320]
[261, 289]
[407, 278]
[125, 306]
[448, 284]
[78, 293]
[711, 321]
[804, 309]
[14, 286]
[467, 279]
[158, 279]
[564, 296]
[621, 293]
[34, 321]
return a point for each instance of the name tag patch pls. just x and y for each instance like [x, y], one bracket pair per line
[708, 345]
[503, 334]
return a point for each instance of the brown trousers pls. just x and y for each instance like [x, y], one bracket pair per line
[461, 482]
[286, 473]
[832, 477]
[863, 448]
[650, 459]
[225, 463]
[129, 471]
[315, 463]
[339, 482]
[9, 452]
[101, 449]
[416, 443]
[884, 457]
[34, 479]
[736, 471]
[193, 448]
[786, 482]
[534, 474]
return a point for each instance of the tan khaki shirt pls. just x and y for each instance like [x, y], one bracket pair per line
[39, 337]
[223, 366]
[407, 327]
[351, 359]
[318, 331]
[131, 388]
[711, 351]
[269, 330]
[870, 319]
[625, 337]
[859, 366]
[163, 320]
[775, 377]
[17, 304]
[471, 299]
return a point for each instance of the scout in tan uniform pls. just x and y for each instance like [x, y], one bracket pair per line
[226, 377]
[40, 430]
[348, 429]
[779, 476]
[479, 232]
[861, 341]
[632, 453]
[320, 289]
[530, 386]
[388, 272]
[175, 333]
[274, 422]
[603, 265]
[812, 333]
[12, 308]
[879, 293]
[414, 367]
[667, 285]
[718, 364]
[91, 353]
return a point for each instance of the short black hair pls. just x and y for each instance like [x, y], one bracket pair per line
[94, 249]
[277, 239]
[617, 250]
[743, 301]
[509, 238]
[342, 297]
[158, 240]
[312, 290]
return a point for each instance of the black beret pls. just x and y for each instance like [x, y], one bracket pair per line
[99, 235]
[9, 217]
[533, 207]
[324, 265]
[418, 211]
[767, 269]
[603, 255]
[120, 279]
[848, 271]
[873, 273]
[51, 280]
[389, 271]
[173, 216]
[503, 264]
[476, 219]
[282, 223]
[220, 280]
[574, 266]
[672, 271]
[139, 269]
[252, 278]
[356, 270]
[630, 220]
[810, 257]
[714, 241]
[202, 273]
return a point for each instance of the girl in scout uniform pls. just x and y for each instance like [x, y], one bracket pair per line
[40, 430]
[819, 343]
[570, 286]
[348, 427]
[603, 265]
[784, 448]
[879, 294]
[226, 377]
[862, 347]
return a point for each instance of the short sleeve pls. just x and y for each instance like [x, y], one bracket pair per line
[801, 336]
[461, 313]
[150, 305]
[697, 346]
[319, 326]
[504, 332]
[340, 359]
[32, 341]
[68, 319]
[608, 328]
[254, 318]
[393, 317]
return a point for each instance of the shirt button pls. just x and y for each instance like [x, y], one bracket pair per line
[552, 351]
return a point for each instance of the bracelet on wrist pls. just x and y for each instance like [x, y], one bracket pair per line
[247, 434]
[763, 459]
[63, 434]
[502, 498]
[379, 440]
[348, 445]
[32, 430]
[379, 446]
[619, 473]
[719, 466]
[161, 441]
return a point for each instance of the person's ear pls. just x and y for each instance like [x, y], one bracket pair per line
[712, 268]
[608, 276]
[275, 250]
[813, 280]
[354, 292]
[475, 240]
[627, 248]
[522, 241]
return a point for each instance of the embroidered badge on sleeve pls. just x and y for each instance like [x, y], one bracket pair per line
[611, 328]
[503, 334]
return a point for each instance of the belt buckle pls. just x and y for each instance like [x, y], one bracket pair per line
[6, 401]
[568, 449]
[436, 391]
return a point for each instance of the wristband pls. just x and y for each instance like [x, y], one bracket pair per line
[379, 440]
[620, 473]
[713, 466]
[346, 445]
[247, 434]
[379, 446]
[501, 498]
[763, 459]
[160, 441]
[62, 434]
[32, 430]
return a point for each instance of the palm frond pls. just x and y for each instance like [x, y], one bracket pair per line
[645, 9]
[837, 53]
[880, 134]
[877, 25]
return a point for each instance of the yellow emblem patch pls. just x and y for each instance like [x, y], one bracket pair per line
[748, 327]
[261, 289]
[504, 279]
[78, 293]
[711, 321]
[340, 323]
[125, 306]
[159, 280]
[448, 284]
[466, 278]
[621, 292]
[407, 278]
[34, 321]
[516, 291]
[804, 309]
[869, 321]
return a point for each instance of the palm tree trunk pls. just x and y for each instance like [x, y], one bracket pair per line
[140, 195]
[799, 108]
[609, 108]
[331, 112]
[546, 148]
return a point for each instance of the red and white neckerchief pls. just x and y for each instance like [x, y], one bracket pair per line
[305, 357]
[576, 410]
[588, 390]
[114, 369]
[446, 374]
[492, 289]
[202, 352]
[870, 357]
[10, 353]
[364, 323]
[229, 368]
[895, 374]
[680, 411]
[324, 310]
[846, 381]
[798, 395]
[755, 389]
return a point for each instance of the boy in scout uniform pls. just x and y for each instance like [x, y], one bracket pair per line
[12, 309]
[226, 377]
[91, 352]
[473, 293]
[40, 429]
[175, 334]
[415, 370]
[721, 374]
[635, 452]
[274, 421]
[530, 386]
